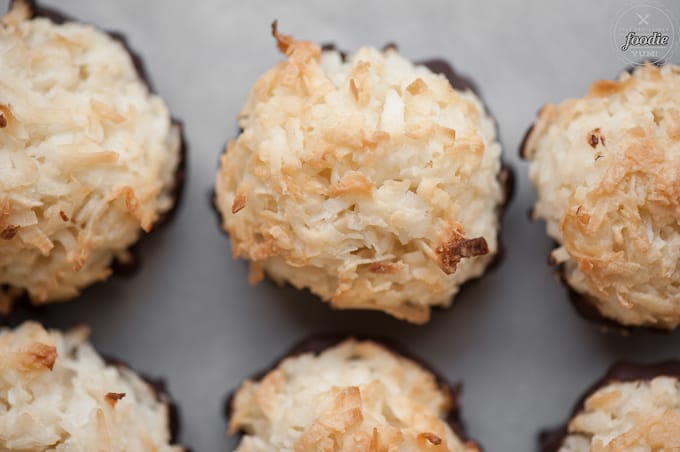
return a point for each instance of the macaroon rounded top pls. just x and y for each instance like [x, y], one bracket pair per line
[365, 178]
[356, 395]
[57, 394]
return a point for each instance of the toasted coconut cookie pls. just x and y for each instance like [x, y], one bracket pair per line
[634, 408]
[88, 156]
[57, 394]
[355, 395]
[366, 178]
[607, 171]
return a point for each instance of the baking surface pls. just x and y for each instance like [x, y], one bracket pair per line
[189, 315]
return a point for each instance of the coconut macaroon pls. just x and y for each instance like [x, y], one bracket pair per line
[355, 395]
[365, 178]
[630, 410]
[57, 394]
[607, 171]
[88, 156]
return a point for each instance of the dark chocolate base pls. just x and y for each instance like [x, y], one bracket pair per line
[631, 68]
[585, 307]
[523, 144]
[130, 267]
[319, 343]
[551, 440]
[506, 175]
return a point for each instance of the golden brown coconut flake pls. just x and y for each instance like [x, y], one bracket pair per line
[37, 356]
[451, 252]
[113, 397]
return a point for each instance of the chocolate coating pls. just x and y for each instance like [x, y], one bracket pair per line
[319, 343]
[458, 81]
[523, 144]
[585, 307]
[551, 440]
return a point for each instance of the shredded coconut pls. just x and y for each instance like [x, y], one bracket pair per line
[354, 396]
[57, 394]
[638, 416]
[607, 171]
[87, 156]
[369, 180]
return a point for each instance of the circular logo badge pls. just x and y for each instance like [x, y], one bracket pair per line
[644, 33]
